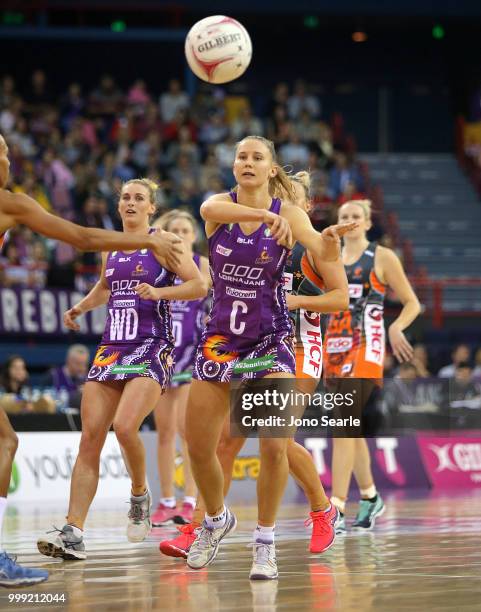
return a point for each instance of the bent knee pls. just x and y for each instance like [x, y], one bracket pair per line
[10, 443]
[273, 450]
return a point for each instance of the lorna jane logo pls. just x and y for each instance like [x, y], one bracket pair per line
[464, 457]
[14, 479]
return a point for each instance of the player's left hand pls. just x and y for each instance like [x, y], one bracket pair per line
[169, 246]
[401, 348]
[147, 292]
[291, 301]
[332, 239]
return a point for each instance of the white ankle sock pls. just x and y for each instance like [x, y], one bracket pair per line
[169, 502]
[189, 499]
[214, 522]
[339, 503]
[264, 534]
[369, 492]
[3, 507]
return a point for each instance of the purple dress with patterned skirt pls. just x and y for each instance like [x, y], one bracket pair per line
[188, 318]
[248, 333]
[137, 340]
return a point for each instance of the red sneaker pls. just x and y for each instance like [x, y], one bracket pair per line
[179, 546]
[185, 515]
[163, 515]
[323, 529]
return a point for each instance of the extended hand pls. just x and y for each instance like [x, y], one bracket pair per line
[279, 228]
[69, 318]
[169, 247]
[332, 239]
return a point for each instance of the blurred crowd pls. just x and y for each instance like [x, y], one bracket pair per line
[72, 152]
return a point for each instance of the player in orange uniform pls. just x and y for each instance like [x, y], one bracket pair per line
[354, 349]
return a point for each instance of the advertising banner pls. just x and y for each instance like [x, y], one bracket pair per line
[44, 462]
[40, 312]
[452, 461]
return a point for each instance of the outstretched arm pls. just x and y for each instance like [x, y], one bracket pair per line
[326, 246]
[97, 296]
[220, 209]
[24, 210]
[193, 286]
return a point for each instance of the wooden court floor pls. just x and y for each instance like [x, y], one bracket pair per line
[425, 554]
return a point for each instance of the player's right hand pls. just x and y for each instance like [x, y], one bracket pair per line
[279, 228]
[69, 318]
[168, 246]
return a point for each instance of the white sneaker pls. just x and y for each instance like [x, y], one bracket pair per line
[264, 565]
[204, 548]
[139, 518]
[63, 544]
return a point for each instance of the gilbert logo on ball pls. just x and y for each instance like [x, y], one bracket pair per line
[218, 49]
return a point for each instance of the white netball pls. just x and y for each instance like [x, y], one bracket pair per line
[218, 49]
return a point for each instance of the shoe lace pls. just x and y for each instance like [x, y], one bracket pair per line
[10, 559]
[320, 523]
[205, 538]
[66, 542]
[136, 512]
[264, 554]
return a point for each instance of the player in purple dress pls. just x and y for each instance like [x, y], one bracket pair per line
[187, 324]
[248, 333]
[131, 369]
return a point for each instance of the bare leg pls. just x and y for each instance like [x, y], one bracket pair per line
[207, 408]
[227, 450]
[99, 402]
[301, 464]
[362, 465]
[138, 399]
[8, 448]
[182, 397]
[165, 417]
[302, 468]
[343, 454]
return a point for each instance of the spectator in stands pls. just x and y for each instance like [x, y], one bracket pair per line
[350, 192]
[38, 96]
[71, 376]
[279, 98]
[107, 99]
[463, 388]
[173, 100]
[477, 365]
[72, 105]
[344, 171]
[138, 97]
[7, 91]
[14, 384]
[13, 272]
[246, 124]
[294, 153]
[460, 354]
[302, 101]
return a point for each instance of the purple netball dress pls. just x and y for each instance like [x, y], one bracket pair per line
[138, 339]
[248, 332]
[187, 324]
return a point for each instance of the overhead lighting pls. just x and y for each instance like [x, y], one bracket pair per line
[359, 36]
